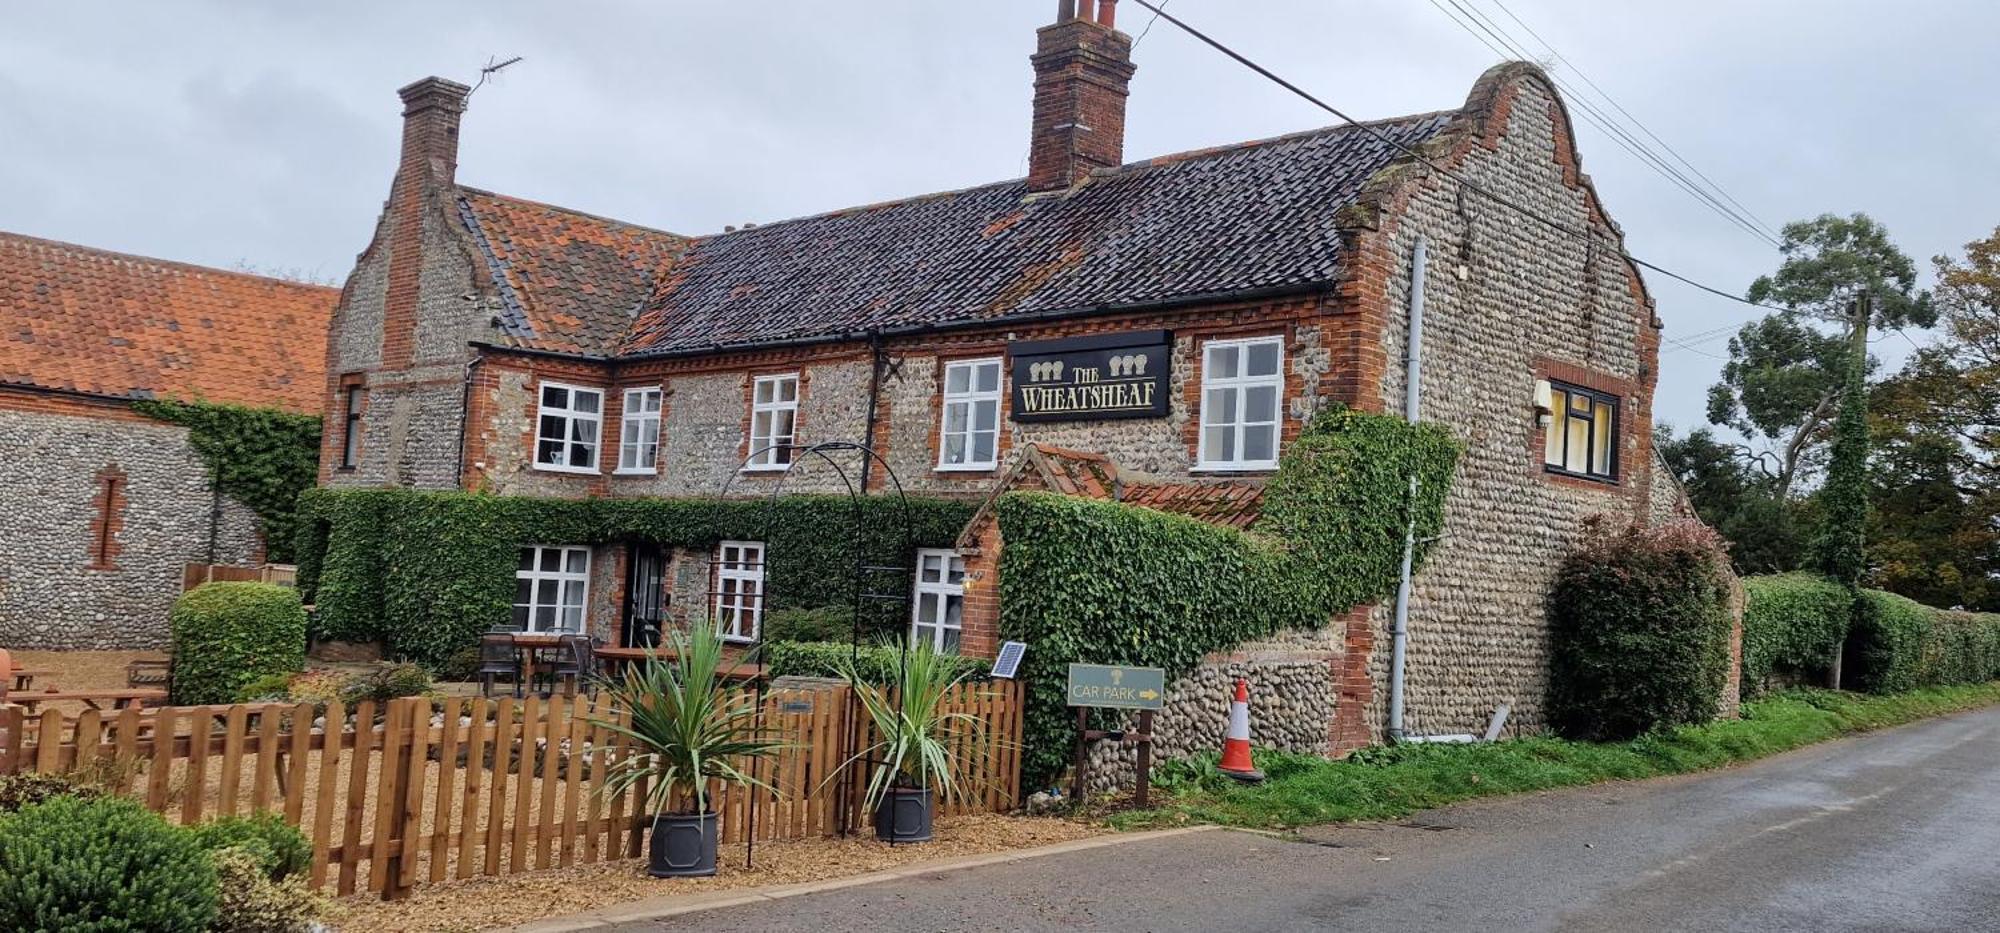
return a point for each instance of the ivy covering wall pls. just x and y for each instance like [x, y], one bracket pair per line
[1090, 581]
[261, 457]
[427, 572]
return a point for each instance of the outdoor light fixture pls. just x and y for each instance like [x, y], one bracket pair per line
[1545, 403]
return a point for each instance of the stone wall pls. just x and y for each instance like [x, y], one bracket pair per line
[1507, 300]
[165, 516]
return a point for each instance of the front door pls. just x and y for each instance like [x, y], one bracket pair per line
[645, 596]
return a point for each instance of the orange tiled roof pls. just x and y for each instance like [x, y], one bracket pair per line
[1230, 503]
[87, 320]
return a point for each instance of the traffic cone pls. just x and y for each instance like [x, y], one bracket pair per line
[1236, 745]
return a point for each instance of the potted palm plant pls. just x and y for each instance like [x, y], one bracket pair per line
[914, 741]
[688, 727]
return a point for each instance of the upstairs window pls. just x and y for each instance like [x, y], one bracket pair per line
[937, 615]
[354, 400]
[1582, 436]
[969, 438]
[1242, 383]
[571, 420]
[639, 432]
[739, 589]
[774, 418]
[551, 588]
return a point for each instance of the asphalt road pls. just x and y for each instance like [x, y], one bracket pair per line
[1898, 830]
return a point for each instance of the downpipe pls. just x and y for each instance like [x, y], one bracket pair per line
[1399, 633]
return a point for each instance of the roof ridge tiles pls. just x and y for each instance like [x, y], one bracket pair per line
[138, 258]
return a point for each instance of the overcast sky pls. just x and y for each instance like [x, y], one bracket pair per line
[266, 133]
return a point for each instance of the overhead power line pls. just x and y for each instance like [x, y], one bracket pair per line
[1398, 145]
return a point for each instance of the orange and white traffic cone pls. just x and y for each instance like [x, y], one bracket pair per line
[1236, 745]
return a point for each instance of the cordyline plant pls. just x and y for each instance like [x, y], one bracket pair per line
[689, 726]
[914, 734]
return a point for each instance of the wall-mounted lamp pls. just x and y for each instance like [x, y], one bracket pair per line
[1545, 403]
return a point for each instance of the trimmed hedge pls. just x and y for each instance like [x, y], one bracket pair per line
[427, 572]
[1795, 622]
[876, 663]
[1639, 625]
[102, 866]
[1090, 581]
[228, 634]
[1792, 622]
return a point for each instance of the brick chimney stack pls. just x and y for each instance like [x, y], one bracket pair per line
[431, 109]
[1083, 67]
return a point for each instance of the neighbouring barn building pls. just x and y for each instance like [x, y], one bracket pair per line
[1152, 331]
[101, 507]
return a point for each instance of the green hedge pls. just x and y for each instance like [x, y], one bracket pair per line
[876, 663]
[1792, 622]
[105, 864]
[261, 457]
[1639, 626]
[228, 634]
[1084, 580]
[427, 572]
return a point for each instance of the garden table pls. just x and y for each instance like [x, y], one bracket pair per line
[95, 699]
[24, 678]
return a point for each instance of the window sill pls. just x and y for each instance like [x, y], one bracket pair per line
[737, 640]
[1235, 468]
[551, 468]
[642, 472]
[346, 469]
[767, 468]
[966, 467]
[1611, 481]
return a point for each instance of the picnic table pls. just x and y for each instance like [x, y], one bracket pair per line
[95, 699]
[532, 644]
[24, 678]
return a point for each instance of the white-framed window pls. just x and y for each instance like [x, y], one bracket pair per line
[739, 589]
[639, 431]
[1242, 389]
[571, 420]
[774, 420]
[937, 611]
[551, 589]
[969, 437]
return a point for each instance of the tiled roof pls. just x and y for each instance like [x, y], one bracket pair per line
[86, 320]
[568, 281]
[1254, 216]
[1230, 503]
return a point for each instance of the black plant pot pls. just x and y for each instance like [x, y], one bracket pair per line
[683, 845]
[904, 815]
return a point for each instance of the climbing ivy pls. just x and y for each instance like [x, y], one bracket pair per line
[261, 457]
[428, 571]
[1100, 582]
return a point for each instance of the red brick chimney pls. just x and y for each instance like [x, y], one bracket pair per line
[431, 109]
[1082, 69]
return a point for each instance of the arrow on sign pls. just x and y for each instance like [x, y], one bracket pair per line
[1148, 694]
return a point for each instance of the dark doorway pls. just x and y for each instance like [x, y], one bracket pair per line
[645, 596]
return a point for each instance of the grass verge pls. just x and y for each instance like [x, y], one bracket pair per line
[1390, 782]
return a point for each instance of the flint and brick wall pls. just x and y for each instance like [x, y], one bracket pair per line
[56, 591]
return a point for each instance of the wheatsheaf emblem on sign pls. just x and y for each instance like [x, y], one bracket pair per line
[1085, 378]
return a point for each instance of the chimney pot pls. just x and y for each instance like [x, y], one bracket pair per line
[1107, 13]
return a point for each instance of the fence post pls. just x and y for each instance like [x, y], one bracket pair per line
[11, 723]
[393, 794]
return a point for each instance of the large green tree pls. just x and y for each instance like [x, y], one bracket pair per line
[1785, 377]
[1765, 532]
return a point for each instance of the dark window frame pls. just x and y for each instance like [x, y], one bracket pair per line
[350, 426]
[1562, 419]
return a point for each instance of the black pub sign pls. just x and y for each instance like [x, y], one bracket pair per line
[1121, 375]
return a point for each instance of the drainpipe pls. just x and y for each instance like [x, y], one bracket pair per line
[1399, 637]
[464, 419]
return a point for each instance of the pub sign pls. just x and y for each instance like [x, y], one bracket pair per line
[1089, 378]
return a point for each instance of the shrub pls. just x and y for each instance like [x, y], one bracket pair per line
[268, 688]
[1792, 622]
[20, 791]
[822, 623]
[252, 902]
[876, 663]
[1964, 648]
[318, 687]
[279, 848]
[1885, 651]
[102, 865]
[1085, 580]
[228, 634]
[1639, 624]
[385, 683]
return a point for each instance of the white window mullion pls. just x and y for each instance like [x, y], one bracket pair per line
[639, 432]
[1242, 397]
[739, 590]
[937, 606]
[969, 435]
[774, 413]
[569, 424]
[552, 589]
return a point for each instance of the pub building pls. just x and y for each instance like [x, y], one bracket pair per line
[1153, 332]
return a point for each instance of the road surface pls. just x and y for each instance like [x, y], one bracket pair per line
[1897, 830]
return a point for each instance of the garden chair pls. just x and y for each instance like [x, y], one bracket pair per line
[497, 656]
[576, 664]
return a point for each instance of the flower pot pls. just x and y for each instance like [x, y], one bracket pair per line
[683, 845]
[904, 815]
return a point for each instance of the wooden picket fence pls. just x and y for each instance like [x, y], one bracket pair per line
[417, 790]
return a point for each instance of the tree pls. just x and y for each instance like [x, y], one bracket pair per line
[1764, 531]
[1785, 376]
